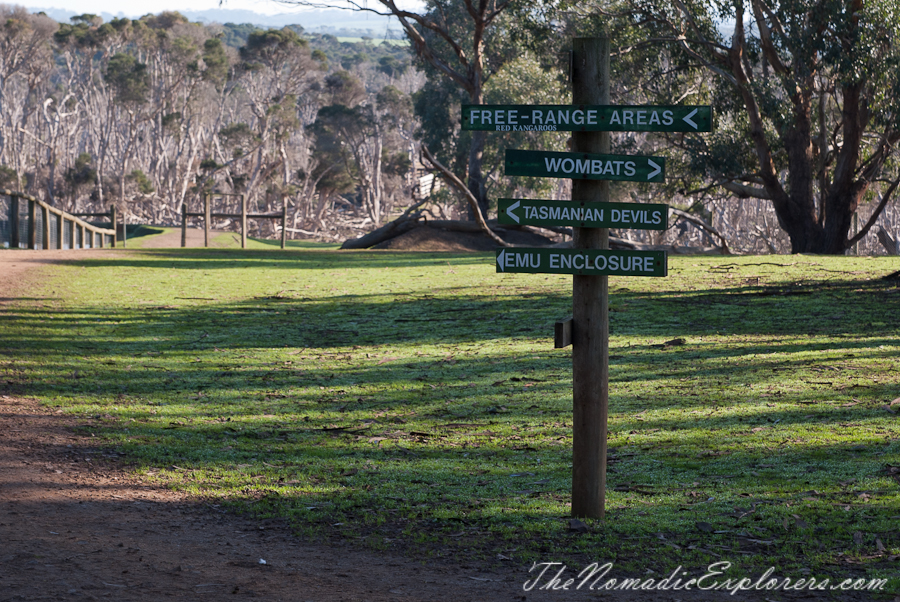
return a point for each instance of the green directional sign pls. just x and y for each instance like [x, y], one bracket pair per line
[581, 214]
[586, 118]
[579, 166]
[585, 262]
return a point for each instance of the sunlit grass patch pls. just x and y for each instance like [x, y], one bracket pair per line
[414, 401]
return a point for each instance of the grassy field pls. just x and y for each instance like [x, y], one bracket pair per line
[415, 401]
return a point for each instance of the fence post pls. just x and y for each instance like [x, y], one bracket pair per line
[112, 218]
[206, 218]
[183, 224]
[14, 237]
[60, 230]
[32, 225]
[283, 220]
[81, 231]
[243, 222]
[45, 228]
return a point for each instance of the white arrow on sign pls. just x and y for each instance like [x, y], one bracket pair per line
[656, 169]
[509, 211]
[501, 260]
[687, 119]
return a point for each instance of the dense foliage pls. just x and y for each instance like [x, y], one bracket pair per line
[155, 112]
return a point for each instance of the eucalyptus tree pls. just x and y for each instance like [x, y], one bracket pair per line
[25, 63]
[365, 140]
[278, 77]
[84, 49]
[808, 96]
[463, 42]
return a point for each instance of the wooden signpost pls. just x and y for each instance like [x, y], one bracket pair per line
[533, 212]
[586, 118]
[597, 262]
[587, 166]
[590, 214]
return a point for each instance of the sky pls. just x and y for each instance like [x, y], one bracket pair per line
[138, 8]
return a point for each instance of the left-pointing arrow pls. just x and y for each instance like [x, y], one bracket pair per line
[509, 211]
[501, 260]
[656, 169]
[687, 119]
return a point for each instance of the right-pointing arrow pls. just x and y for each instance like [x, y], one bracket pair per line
[656, 169]
[687, 119]
[501, 260]
[509, 211]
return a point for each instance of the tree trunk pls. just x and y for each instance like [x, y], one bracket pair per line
[475, 182]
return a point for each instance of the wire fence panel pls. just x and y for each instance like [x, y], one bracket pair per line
[5, 225]
[68, 227]
[39, 229]
[54, 231]
[24, 223]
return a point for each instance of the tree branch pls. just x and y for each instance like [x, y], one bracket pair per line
[743, 191]
[875, 214]
[765, 37]
[703, 226]
[473, 202]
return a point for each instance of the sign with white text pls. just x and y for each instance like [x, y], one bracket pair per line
[584, 262]
[581, 214]
[586, 118]
[585, 166]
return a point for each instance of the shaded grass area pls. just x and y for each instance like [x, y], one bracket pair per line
[415, 402]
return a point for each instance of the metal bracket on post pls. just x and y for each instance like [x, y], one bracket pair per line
[562, 333]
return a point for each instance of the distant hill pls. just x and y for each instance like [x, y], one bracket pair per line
[331, 21]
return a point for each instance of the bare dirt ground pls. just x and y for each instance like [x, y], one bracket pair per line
[75, 524]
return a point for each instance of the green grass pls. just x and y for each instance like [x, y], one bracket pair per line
[225, 240]
[415, 401]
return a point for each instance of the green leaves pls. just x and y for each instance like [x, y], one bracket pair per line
[128, 78]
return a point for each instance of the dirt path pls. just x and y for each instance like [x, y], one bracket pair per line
[76, 525]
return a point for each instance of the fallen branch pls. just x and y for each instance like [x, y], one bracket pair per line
[703, 226]
[473, 202]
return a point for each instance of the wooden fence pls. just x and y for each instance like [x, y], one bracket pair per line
[207, 216]
[30, 223]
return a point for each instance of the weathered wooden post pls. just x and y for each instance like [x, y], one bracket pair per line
[283, 221]
[45, 228]
[590, 214]
[206, 219]
[243, 222]
[14, 224]
[60, 231]
[183, 224]
[115, 229]
[32, 225]
[590, 299]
